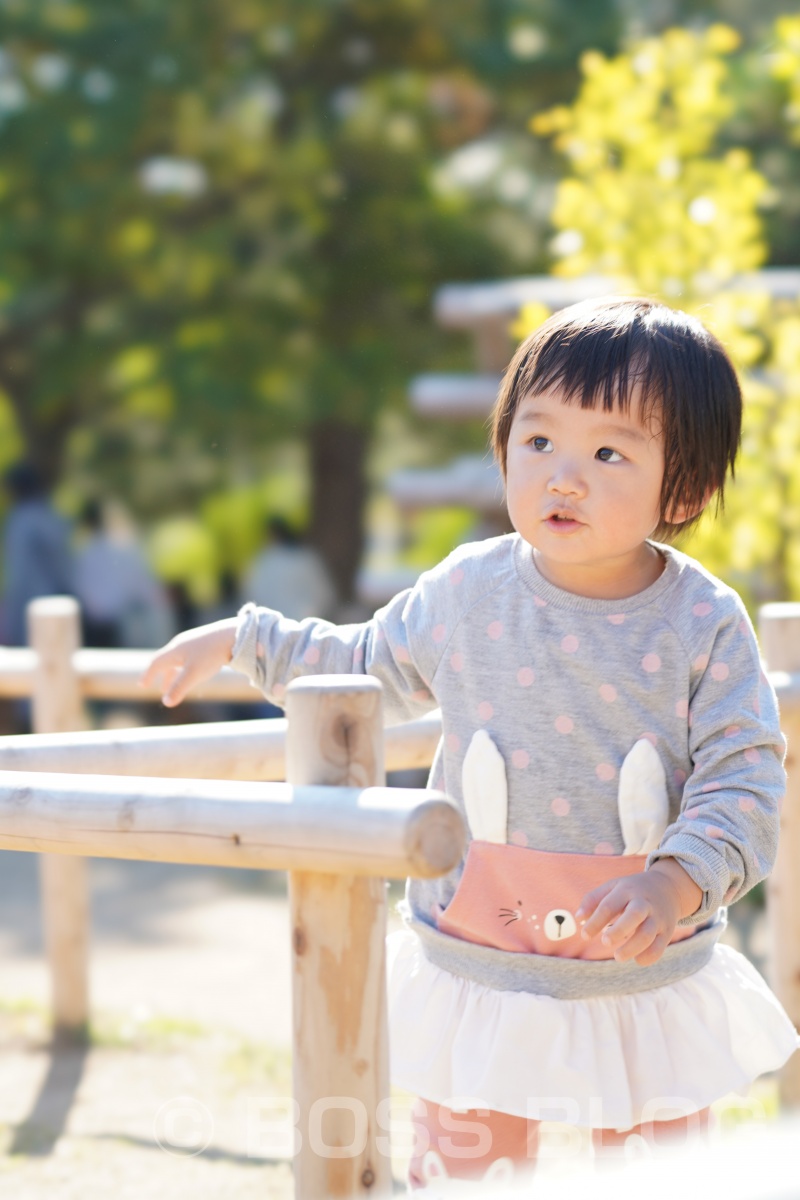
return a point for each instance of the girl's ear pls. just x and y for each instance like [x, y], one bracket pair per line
[679, 514]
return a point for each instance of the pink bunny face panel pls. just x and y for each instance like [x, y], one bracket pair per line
[517, 899]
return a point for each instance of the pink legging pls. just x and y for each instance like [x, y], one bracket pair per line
[467, 1143]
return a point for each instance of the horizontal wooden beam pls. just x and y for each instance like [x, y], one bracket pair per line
[114, 675]
[241, 750]
[454, 397]
[390, 832]
[468, 305]
[473, 481]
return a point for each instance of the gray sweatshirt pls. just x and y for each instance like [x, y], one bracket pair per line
[565, 686]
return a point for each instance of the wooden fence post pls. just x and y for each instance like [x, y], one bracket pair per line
[779, 633]
[54, 633]
[338, 927]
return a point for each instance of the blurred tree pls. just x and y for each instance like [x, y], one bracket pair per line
[659, 201]
[220, 222]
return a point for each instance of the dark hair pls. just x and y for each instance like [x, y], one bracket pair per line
[599, 351]
[24, 481]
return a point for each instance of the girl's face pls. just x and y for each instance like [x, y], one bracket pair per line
[583, 487]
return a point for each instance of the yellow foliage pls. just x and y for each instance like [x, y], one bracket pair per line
[530, 317]
[134, 365]
[654, 205]
[135, 237]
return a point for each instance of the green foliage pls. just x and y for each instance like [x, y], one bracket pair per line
[660, 202]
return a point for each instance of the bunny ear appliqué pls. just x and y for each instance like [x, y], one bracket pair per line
[643, 799]
[485, 788]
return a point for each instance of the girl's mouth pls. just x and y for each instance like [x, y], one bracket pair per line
[562, 523]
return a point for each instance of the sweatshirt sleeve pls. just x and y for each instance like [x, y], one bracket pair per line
[400, 646]
[726, 835]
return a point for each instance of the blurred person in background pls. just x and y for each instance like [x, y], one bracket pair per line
[288, 575]
[122, 603]
[37, 560]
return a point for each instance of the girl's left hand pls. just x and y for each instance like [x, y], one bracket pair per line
[637, 914]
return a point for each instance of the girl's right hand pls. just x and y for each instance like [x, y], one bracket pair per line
[189, 659]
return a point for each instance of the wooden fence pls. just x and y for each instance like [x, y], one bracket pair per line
[333, 826]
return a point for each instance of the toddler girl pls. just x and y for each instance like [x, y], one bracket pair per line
[613, 741]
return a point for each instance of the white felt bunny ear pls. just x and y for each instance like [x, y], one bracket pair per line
[643, 799]
[485, 789]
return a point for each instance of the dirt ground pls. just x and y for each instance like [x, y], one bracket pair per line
[191, 1029]
[188, 1072]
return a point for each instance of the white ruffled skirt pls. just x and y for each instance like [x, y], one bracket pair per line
[606, 1062]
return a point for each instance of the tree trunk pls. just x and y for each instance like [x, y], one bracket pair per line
[338, 496]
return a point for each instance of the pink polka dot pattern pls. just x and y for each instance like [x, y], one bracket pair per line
[605, 771]
[714, 786]
[752, 755]
[747, 803]
[569, 644]
[311, 656]
[260, 651]
[439, 633]
[733, 731]
[564, 724]
[485, 710]
[358, 654]
[604, 848]
[701, 662]
[521, 759]
[457, 576]
[692, 814]
[682, 708]
[518, 838]
[743, 628]
[730, 894]
[608, 692]
[714, 831]
[421, 695]
[651, 663]
[539, 602]
[617, 618]
[453, 742]
[651, 737]
[495, 630]
[457, 661]
[525, 676]
[560, 806]
[279, 691]
[679, 776]
[720, 671]
[702, 609]
[402, 655]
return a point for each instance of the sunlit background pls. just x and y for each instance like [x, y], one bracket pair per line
[225, 227]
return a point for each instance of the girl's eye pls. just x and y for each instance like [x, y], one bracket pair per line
[542, 444]
[606, 454]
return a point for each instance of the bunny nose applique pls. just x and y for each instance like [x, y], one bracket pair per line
[559, 925]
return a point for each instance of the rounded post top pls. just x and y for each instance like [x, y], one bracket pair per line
[54, 606]
[335, 684]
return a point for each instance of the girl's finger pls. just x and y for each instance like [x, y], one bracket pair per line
[178, 687]
[637, 941]
[591, 900]
[653, 952]
[609, 902]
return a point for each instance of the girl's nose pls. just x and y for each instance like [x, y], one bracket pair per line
[567, 481]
